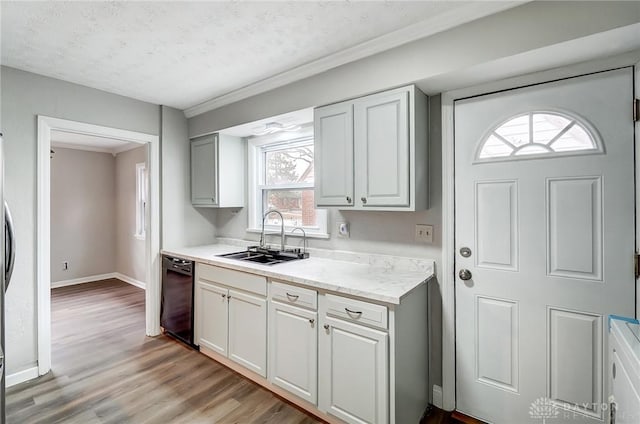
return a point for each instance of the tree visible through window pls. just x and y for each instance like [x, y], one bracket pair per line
[288, 183]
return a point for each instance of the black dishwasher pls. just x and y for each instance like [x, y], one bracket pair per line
[176, 307]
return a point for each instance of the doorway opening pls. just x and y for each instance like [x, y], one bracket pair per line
[55, 137]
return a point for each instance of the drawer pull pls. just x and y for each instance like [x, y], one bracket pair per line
[224, 295]
[350, 312]
[311, 321]
[326, 327]
[292, 297]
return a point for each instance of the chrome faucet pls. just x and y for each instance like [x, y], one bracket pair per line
[304, 239]
[264, 218]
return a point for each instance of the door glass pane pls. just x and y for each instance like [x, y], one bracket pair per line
[538, 134]
[547, 126]
[574, 139]
[495, 148]
[515, 131]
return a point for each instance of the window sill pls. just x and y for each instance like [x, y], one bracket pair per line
[310, 235]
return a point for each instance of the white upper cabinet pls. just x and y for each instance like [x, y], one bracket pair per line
[333, 134]
[217, 171]
[371, 152]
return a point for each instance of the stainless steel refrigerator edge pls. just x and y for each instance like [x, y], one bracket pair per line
[3, 285]
[7, 256]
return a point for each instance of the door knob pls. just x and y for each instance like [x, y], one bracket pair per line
[465, 274]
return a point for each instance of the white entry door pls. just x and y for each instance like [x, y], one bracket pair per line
[544, 246]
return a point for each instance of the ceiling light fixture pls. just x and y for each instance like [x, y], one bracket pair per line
[274, 127]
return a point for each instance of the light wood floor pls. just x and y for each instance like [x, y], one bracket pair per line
[106, 371]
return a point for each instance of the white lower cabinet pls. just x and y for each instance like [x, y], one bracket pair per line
[354, 383]
[293, 350]
[212, 316]
[343, 359]
[230, 319]
[247, 331]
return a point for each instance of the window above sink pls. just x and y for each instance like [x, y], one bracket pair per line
[281, 176]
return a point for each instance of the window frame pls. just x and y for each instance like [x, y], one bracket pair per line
[257, 188]
[141, 201]
[552, 154]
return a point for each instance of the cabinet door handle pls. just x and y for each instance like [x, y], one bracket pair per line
[224, 295]
[229, 297]
[311, 321]
[292, 297]
[326, 327]
[364, 200]
[350, 312]
[348, 199]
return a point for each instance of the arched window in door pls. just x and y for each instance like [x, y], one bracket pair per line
[535, 134]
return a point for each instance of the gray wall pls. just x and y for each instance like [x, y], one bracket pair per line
[129, 251]
[498, 36]
[524, 28]
[182, 224]
[83, 195]
[24, 97]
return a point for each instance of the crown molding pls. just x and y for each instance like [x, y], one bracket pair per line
[422, 29]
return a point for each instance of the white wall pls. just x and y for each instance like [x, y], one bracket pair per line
[130, 252]
[182, 224]
[24, 96]
[83, 195]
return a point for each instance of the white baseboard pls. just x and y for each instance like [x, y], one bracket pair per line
[21, 376]
[82, 280]
[99, 277]
[437, 396]
[130, 280]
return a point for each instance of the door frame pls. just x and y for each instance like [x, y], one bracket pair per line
[47, 124]
[447, 284]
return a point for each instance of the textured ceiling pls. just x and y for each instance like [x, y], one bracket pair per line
[183, 53]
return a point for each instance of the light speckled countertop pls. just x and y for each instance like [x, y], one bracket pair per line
[380, 278]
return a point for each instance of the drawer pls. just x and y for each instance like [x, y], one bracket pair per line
[236, 279]
[357, 311]
[293, 295]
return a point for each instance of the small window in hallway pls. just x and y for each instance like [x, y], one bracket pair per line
[141, 200]
[536, 134]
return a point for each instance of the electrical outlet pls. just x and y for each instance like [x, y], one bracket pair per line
[343, 229]
[65, 265]
[424, 233]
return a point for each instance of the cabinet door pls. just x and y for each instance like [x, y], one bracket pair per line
[204, 183]
[248, 331]
[211, 316]
[333, 151]
[354, 364]
[293, 350]
[381, 129]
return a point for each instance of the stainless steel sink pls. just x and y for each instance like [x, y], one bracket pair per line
[266, 256]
